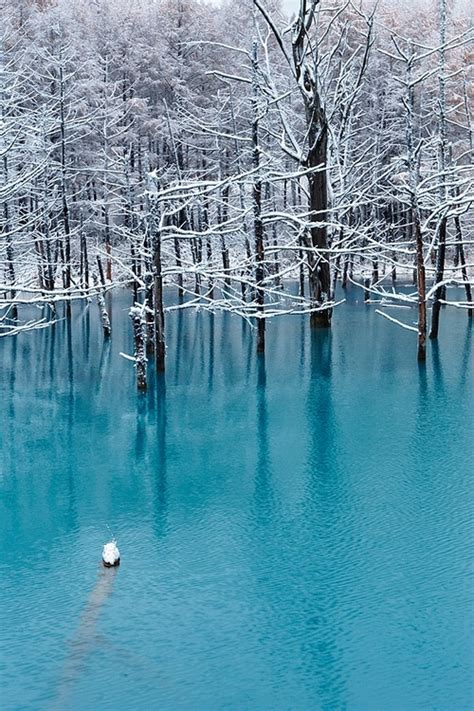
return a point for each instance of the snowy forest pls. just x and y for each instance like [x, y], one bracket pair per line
[236, 372]
[261, 163]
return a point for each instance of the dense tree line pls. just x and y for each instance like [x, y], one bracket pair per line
[228, 150]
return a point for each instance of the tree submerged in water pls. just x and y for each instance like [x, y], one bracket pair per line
[226, 151]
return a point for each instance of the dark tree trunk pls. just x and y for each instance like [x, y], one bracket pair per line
[159, 317]
[440, 261]
[257, 211]
[10, 267]
[65, 206]
[367, 290]
[85, 262]
[319, 277]
[101, 302]
[462, 261]
[177, 253]
[225, 249]
[421, 286]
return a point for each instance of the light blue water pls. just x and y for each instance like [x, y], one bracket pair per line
[296, 532]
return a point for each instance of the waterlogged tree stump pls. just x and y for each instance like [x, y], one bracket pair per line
[110, 555]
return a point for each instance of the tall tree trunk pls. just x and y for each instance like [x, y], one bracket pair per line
[305, 65]
[101, 302]
[9, 245]
[257, 208]
[64, 200]
[421, 286]
[319, 278]
[139, 338]
[439, 275]
[462, 261]
[442, 229]
[159, 317]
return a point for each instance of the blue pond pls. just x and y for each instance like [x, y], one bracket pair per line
[296, 531]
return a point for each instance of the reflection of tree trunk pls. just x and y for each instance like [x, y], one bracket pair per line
[159, 480]
[83, 641]
[263, 489]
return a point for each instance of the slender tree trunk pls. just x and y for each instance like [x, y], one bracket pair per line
[9, 245]
[64, 200]
[257, 209]
[159, 317]
[85, 261]
[139, 338]
[225, 249]
[439, 275]
[441, 254]
[421, 286]
[101, 302]
[462, 261]
[319, 277]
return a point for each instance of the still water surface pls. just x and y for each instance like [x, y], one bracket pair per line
[296, 531]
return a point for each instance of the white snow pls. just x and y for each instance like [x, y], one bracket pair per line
[110, 553]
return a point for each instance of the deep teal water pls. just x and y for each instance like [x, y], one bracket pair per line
[296, 531]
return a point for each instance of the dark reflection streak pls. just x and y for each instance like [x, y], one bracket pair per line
[52, 363]
[86, 331]
[71, 404]
[10, 446]
[196, 324]
[202, 343]
[263, 492]
[140, 429]
[437, 367]
[421, 430]
[32, 355]
[179, 344]
[302, 344]
[104, 365]
[319, 403]
[70, 361]
[212, 337]
[243, 331]
[250, 342]
[160, 487]
[324, 501]
[150, 395]
[422, 380]
[44, 345]
[466, 360]
[228, 362]
[38, 339]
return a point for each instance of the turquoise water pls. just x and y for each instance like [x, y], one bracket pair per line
[296, 531]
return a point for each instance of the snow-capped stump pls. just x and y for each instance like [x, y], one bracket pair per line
[111, 554]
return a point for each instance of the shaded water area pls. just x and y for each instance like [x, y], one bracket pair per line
[296, 531]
